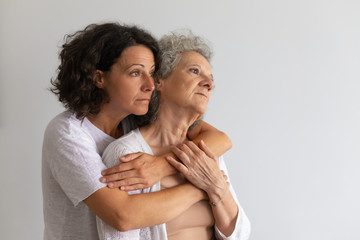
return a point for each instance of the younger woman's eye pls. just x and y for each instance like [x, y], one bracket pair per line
[194, 70]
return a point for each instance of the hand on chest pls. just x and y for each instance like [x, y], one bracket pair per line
[172, 181]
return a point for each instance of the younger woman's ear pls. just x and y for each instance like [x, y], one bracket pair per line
[98, 78]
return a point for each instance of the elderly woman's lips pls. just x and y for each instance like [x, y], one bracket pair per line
[144, 100]
[202, 94]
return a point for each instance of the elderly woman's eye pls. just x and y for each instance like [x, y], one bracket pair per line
[151, 74]
[134, 73]
[194, 70]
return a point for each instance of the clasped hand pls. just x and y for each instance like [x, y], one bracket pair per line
[200, 166]
[141, 170]
[138, 171]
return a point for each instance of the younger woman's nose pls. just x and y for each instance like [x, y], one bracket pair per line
[148, 84]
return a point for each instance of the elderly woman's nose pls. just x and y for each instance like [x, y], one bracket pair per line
[208, 83]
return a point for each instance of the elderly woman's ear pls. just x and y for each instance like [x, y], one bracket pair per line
[158, 84]
[98, 78]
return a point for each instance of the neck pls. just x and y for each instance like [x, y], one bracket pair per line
[170, 128]
[108, 122]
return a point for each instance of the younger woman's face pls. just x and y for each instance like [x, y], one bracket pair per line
[129, 83]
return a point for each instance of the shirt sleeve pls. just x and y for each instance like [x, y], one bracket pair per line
[74, 162]
[120, 147]
[242, 227]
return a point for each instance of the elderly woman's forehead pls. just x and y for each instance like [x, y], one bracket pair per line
[185, 57]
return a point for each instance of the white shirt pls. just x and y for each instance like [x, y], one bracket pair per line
[71, 168]
[134, 142]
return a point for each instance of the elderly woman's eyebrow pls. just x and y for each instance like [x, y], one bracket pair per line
[211, 75]
[196, 65]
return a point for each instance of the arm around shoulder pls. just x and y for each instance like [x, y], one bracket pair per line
[216, 140]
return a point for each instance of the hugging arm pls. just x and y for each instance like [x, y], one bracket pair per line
[141, 170]
[128, 210]
[125, 212]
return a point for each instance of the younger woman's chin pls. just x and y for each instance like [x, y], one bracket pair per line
[141, 112]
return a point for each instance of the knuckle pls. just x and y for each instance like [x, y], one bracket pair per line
[136, 164]
[110, 178]
[141, 172]
[118, 175]
[146, 183]
[115, 184]
[198, 156]
[126, 182]
[183, 155]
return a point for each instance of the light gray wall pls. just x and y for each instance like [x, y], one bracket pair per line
[287, 93]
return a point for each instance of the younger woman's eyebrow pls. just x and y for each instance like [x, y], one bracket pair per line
[138, 64]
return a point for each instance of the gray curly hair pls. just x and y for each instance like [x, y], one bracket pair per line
[171, 47]
[177, 42]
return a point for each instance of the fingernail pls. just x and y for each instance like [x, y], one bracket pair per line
[103, 173]
[111, 185]
[122, 188]
[102, 179]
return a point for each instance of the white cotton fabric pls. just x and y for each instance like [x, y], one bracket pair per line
[243, 228]
[71, 169]
[130, 143]
[134, 142]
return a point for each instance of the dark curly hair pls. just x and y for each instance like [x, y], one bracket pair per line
[97, 47]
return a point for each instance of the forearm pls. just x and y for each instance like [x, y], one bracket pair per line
[216, 140]
[125, 212]
[225, 213]
[164, 205]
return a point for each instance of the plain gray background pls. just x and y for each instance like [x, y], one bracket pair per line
[287, 76]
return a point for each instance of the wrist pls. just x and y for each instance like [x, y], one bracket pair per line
[217, 195]
[167, 169]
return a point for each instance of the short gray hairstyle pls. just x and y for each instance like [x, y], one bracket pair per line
[177, 42]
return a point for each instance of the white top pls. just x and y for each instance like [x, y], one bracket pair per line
[71, 168]
[129, 143]
[134, 142]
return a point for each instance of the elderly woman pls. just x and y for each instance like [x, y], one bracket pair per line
[184, 83]
[105, 75]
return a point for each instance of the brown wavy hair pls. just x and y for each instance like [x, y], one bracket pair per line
[97, 47]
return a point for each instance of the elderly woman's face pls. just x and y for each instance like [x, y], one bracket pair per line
[190, 83]
[129, 83]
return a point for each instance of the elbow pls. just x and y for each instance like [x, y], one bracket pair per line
[123, 226]
[227, 142]
[125, 222]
